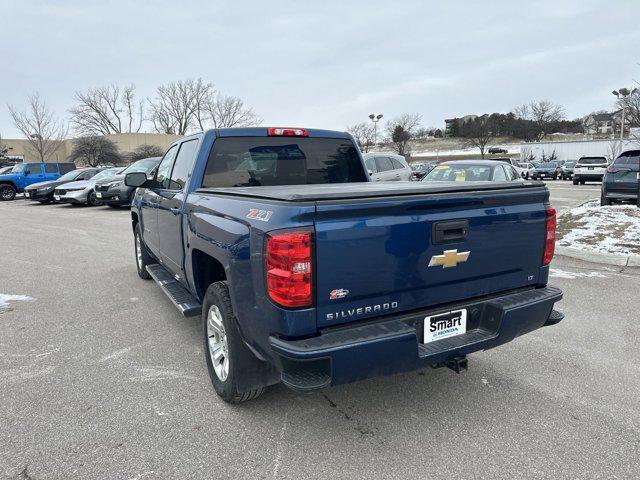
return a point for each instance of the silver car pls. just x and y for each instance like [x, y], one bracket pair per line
[82, 192]
[387, 167]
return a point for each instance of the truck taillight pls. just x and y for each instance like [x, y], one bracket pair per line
[550, 237]
[289, 266]
[287, 132]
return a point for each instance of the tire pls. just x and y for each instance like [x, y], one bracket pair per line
[7, 193]
[222, 337]
[113, 206]
[142, 255]
[582, 182]
[604, 201]
[92, 201]
[575, 182]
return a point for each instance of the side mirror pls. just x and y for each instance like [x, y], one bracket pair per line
[26, 172]
[135, 179]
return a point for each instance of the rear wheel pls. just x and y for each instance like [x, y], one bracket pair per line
[7, 192]
[575, 182]
[604, 201]
[143, 257]
[223, 345]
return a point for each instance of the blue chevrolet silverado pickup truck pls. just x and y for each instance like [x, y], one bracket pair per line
[305, 272]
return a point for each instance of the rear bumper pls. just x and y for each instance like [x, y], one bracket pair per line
[619, 191]
[392, 345]
[592, 177]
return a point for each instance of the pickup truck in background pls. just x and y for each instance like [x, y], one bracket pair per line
[305, 272]
[24, 174]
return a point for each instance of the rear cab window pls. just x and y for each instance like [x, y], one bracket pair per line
[592, 161]
[628, 158]
[265, 161]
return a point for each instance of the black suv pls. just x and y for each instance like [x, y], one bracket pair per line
[620, 181]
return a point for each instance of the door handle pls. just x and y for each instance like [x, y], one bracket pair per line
[449, 231]
[175, 210]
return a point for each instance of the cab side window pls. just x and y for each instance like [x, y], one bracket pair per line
[33, 169]
[164, 169]
[182, 166]
[51, 168]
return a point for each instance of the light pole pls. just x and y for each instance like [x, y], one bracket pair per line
[375, 119]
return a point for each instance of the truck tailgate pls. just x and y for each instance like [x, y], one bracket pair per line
[373, 255]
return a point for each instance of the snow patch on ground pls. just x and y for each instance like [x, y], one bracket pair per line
[609, 229]
[6, 299]
[556, 272]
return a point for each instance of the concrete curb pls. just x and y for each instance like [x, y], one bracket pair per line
[594, 257]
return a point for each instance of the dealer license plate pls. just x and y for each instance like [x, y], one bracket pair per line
[445, 325]
[98, 195]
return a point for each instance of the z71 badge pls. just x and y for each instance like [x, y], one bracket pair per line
[338, 293]
[262, 215]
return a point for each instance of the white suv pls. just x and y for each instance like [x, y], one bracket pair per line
[589, 169]
[386, 167]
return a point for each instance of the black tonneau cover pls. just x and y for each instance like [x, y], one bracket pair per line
[337, 191]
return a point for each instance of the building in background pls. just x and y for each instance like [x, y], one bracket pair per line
[20, 150]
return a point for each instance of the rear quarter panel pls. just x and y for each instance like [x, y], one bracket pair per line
[218, 226]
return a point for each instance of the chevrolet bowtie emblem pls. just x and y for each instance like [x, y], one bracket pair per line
[450, 258]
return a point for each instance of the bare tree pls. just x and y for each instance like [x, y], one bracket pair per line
[179, 106]
[541, 115]
[95, 151]
[478, 132]
[613, 150]
[4, 149]
[225, 111]
[145, 151]
[363, 135]
[41, 128]
[105, 110]
[403, 128]
[631, 104]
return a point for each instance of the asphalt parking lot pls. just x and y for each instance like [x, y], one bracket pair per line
[101, 378]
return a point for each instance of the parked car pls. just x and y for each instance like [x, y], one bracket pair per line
[550, 170]
[526, 170]
[22, 175]
[472, 171]
[589, 169]
[621, 179]
[113, 192]
[43, 191]
[566, 171]
[387, 167]
[82, 191]
[306, 273]
[496, 150]
[419, 170]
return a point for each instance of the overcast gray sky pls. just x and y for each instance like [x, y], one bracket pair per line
[327, 64]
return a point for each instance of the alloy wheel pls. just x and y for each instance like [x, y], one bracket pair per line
[217, 341]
